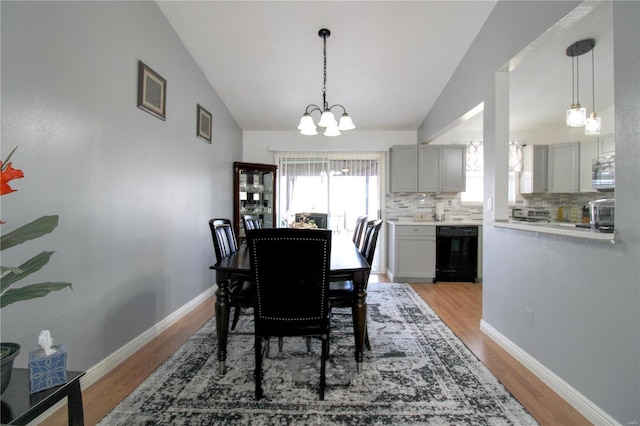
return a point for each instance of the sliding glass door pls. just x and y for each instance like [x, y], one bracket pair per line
[343, 185]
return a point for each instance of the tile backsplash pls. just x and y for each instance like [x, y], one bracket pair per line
[405, 206]
[423, 207]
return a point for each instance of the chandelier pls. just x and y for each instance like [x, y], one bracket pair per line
[327, 119]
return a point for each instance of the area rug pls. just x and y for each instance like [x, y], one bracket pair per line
[417, 373]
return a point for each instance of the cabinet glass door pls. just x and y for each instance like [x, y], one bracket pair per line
[255, 194]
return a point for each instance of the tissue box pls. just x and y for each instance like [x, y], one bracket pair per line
[47, 371]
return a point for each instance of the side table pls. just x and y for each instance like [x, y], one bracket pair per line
[19, 406]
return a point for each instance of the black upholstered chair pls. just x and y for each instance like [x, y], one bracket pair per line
[342, 294]
[291, 273]
[361, 222]
[251, 221]
[241, 289]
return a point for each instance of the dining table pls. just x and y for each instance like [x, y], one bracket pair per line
[347, 263]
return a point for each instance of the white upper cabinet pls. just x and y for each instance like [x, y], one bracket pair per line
[404, 168]
[564, 167]
[533, 178]
[588, 152]
[424, 168]
[442, 168]
[606, 145]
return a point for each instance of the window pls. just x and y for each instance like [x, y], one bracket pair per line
[344, 185]
[475, 172]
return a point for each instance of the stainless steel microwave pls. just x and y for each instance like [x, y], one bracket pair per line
[604, 173]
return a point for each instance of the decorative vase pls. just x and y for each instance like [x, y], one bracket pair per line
[9, 352]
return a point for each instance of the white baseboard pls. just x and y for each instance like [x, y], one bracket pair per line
[116, 358]
[592, 412]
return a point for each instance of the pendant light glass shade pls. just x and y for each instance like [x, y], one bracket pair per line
[593, 125]
[576, 116]
[346, 123]
[327, 120]
[332, 131]
[306, 123]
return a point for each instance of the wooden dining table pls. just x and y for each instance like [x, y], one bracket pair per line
[346, 263]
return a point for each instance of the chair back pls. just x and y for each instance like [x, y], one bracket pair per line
[361, 222]
[224, 239]
[251, 221]
[291, 273]
[370, 239]
[320, 219]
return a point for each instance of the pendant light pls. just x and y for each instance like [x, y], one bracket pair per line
[576, 115]
[327, 119]
[593, 125]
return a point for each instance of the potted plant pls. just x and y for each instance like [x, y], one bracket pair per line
[13, 274]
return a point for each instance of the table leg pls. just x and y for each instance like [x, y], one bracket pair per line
[222, 319]
[360, 316]
[74, 405]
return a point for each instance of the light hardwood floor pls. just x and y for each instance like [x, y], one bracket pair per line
[459, 305]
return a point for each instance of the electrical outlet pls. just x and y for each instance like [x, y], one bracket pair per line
[529, 317]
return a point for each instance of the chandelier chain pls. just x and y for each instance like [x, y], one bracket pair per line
[324, 81]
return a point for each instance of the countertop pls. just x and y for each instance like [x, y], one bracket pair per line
[434, 223]
[557, 228]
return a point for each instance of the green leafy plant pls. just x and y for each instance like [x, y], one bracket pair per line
[30, 231]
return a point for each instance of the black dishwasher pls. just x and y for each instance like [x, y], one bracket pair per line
[456, 253]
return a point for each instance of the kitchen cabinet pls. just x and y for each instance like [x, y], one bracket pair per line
[442, 168]
[254, 192]
[424, 168]
[606, 145]
[533, 178]
[411, 252]
[564, 167]
[588, 153]
[404, 168]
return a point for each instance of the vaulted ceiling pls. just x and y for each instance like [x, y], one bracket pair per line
[387, 61]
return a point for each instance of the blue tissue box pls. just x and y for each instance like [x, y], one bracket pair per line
[47, 371]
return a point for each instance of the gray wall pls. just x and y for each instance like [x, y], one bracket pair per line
[585, 295]
[134, 193]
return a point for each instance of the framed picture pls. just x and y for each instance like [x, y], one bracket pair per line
[204, 124]
[152, 91]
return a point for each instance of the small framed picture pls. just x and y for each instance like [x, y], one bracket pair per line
[152, 91]
[204, 124]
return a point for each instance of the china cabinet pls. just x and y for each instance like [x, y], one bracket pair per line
[254, 192]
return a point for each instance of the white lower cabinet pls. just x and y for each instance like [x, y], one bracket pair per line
[411, 252]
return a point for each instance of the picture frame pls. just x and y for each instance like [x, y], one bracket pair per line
[204, 124]
[152, 91]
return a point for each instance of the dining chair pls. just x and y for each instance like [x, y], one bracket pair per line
[361, 222]
[291, 272]
[342, 294]
[241, 289]
[251, 221]
[320, 219]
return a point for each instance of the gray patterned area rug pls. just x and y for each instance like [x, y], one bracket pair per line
[417, 373]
